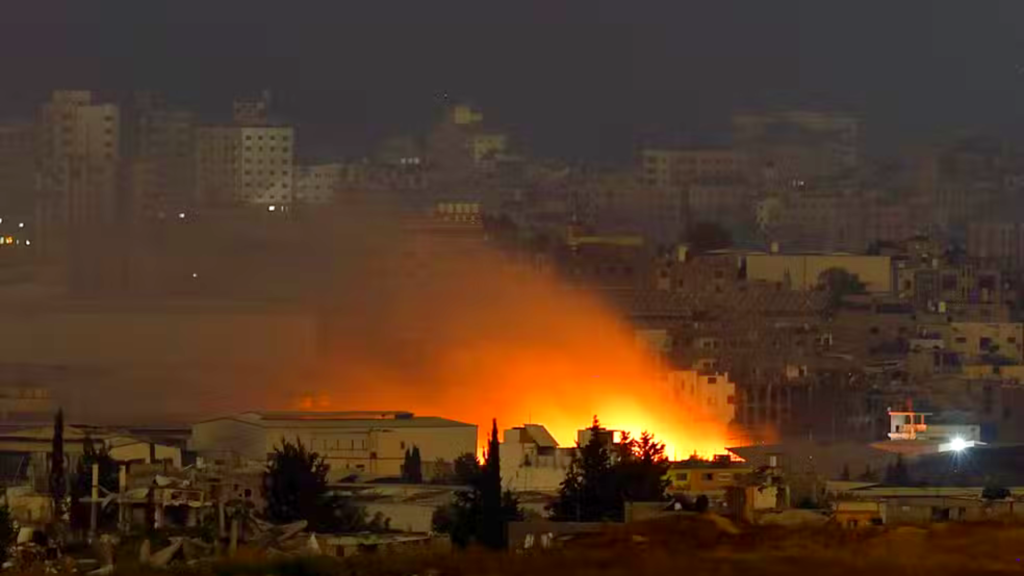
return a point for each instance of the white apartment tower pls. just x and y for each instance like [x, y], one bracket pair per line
[245, 164]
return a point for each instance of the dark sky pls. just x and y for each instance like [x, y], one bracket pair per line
[571, 77]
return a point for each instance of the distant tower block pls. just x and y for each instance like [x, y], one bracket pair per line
[252, 111]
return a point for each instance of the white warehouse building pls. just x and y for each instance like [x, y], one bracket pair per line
[364, 443]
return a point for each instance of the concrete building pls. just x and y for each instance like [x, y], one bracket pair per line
[457, 148]
[161, 150]
[371, 443]
[25, 452]
[617, 202]
[1000, 243]
[977, 340]
[531, 460]
[245, 165]
[713, 394]
[252, 110]
[831, 220]
[17, 170]
[79, 153]
[937, 286]
[866, 503]
[695, 477]
[679, 168]
[798, 145]
[803, 271]
[487, 146]
[318, 183]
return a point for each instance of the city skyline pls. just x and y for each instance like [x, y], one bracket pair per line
[681, 66]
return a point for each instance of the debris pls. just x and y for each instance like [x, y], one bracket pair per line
[164, 556]
[312, 546]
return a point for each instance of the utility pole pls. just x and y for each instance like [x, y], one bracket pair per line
[122, 488]
[95, 497]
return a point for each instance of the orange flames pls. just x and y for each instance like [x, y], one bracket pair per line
[467, 335]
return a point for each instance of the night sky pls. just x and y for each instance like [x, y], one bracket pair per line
[575, 78]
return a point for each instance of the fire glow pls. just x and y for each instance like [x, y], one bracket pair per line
[475, 337]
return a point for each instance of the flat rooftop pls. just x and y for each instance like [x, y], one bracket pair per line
[362, 419]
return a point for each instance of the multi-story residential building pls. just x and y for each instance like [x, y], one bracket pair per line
[318, 183]
[79, 164]
[245, 165]
[998, 243]
[797, 145]
[889, 222]
[485, 146]
[941, 287]
[161, 155]
[616, 202]
[712, 394]
[827, 220]
[252, 110]
[701, 477]
[672, 168]
[17, 170]
[460, 145]
[532, 459]
[975, 341]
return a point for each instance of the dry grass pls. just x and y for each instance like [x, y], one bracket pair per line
[666, 548]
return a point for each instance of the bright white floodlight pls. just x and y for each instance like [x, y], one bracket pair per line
[958, 444]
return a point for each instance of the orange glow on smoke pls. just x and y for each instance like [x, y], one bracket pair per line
[470, 336]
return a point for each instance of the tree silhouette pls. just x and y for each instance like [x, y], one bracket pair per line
[295, 488]
[412, 467]
[467, 468]
[641, 470]
[897, 474]
[8, 533]
[868, 475]
[587, 493]
[839, 282]
[481, 514]
[845, 474]
[58, 478]
[596, 488]
[995, 492]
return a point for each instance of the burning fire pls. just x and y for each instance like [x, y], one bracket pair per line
[470, 336]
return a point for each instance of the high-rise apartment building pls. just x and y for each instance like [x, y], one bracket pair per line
[245, 164]
[317, 184]
[79, 158]
[161, 151]
[17, 170]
